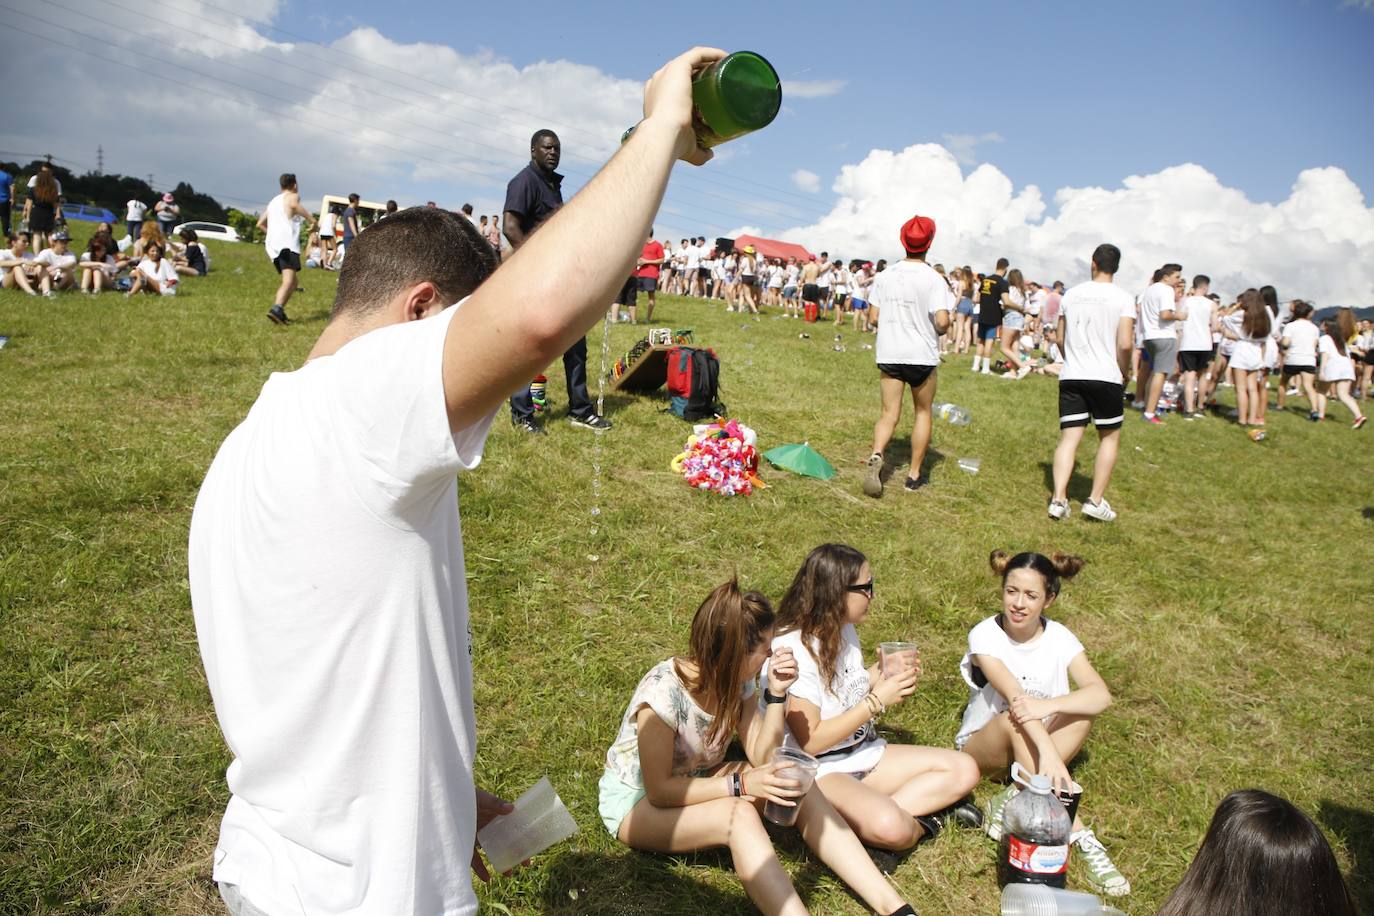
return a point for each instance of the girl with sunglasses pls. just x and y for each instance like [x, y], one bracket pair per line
[668, 788]
[1020, 707]
[892, 795]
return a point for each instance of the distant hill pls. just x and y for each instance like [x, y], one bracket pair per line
[1364, 314]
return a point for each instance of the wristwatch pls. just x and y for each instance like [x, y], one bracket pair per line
[769, 698]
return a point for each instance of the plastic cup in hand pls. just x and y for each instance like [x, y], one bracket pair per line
[538, 821]
[801, 766]
[897, 657]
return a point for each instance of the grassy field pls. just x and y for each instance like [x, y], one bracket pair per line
[1227, 608]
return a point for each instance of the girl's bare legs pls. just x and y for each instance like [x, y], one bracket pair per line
[1242, 397]
[1000, 743]
[825, 831]
[908, 781]
[1343, 393]
[87, 280]
[1009, 337]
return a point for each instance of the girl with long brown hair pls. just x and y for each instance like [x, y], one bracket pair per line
[963, 312]
[668, 788]
[892, 795]
[1337, 370]
[43, 208]
[1249, 328]
[1013, 322]
[1021, 708]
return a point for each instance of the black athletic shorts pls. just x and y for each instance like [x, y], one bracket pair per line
[1080, 400]
[1290, 371]
[1194, 360]
[287, 260]
[627, 292]
[648, 284]
[811, 293]
[915, 376]
[704, 273]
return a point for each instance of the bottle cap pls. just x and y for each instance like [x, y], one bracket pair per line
[1040, 785]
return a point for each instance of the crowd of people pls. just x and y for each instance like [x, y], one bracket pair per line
[153, 264]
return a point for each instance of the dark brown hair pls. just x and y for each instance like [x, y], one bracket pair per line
[1262, 856]
[815, 602]
[1052, 569]
[413, 246]
[1301, 309]
[1256, 323]
[1331, 328]
[727, 627]
[45, 188]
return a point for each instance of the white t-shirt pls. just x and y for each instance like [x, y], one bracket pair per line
[1197, 327]
[10, 257]
[1091, 313]
[136, 210]
[1036, 302]
[331, 607]
[825, 278]
[846, 691]
[1301, 337]
[908, 294]
[1041, 666]
[283, 229]
[841, 281]
[1158, 297]
[793, 274]
[1335, 367]
[49, 258]
[33, 183]
[693, 257]
[164, 272]
[107, 264]
[327, 220]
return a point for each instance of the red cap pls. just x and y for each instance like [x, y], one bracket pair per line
[917, 234]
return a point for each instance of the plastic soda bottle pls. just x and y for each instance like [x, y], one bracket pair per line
[1035, 837]
[953, 413]
[736, 95]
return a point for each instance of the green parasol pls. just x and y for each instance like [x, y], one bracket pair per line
[801, 459]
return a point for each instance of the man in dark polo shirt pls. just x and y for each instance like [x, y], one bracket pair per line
[532, 196]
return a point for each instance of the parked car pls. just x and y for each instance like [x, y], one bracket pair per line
[217, 231]
[87, 212]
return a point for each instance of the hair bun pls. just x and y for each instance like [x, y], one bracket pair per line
[998, 560]
[1066, 564]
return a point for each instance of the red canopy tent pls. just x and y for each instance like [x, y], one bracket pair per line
[772, 248]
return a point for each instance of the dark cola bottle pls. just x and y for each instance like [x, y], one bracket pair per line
[1035, 835]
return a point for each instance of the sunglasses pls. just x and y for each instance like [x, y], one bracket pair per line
[865, 587]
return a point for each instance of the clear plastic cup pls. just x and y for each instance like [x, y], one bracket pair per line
[1039, 900]
[801, 767]
[539, 821]
[897, 657]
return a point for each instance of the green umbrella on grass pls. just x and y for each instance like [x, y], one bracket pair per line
[800, 458]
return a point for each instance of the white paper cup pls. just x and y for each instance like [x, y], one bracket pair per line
[539, 821]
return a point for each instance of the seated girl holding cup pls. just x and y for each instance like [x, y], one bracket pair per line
[1020, 706]
[892, 795]
[667, 787]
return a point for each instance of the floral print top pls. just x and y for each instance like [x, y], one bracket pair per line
[662, 691]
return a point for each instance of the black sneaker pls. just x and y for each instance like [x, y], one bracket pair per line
[932, 826]
[527, 424]
[915, 483]
[591, 421]
[278, 315]
[963, 813]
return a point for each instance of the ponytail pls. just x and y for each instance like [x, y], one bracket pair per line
[727, 627]
[1052, 569]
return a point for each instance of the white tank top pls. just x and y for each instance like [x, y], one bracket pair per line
[283, 230]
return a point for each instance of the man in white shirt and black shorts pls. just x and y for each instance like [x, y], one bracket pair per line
[916, 303]
[1097, 333]
[340, 666]
[281, 223]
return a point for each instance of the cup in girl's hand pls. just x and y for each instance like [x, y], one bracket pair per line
[897, 657]
[802, 767]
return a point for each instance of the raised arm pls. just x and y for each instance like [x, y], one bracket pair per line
[557, 283]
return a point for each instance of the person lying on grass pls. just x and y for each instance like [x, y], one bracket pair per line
[1020, 706]
[668, 788]
[892, 795]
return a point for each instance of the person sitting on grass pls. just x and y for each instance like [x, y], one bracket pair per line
[193, 261]
[98, 265]
[1020, 707]
[668, 788]
[58, 263]
[1262, 856]
[155, 273]
[149, 234]
[17, 267]
[892, 795]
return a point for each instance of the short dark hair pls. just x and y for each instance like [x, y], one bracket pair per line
[1170, 269]
[1003, 263]
[540, 134]
[1201, 280]
[415, 245]
[1107, 257]
[189, 235]
[391, 206]
[467, 208]
[1301, 309]
[353, 198]
[287, 180]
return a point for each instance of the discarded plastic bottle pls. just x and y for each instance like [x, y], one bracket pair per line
[953, 413]
[1035, 837]
[1038, 900]
[736, 95]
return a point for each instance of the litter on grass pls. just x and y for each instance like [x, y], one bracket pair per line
[800, 458]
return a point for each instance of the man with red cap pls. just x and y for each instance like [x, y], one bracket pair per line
[914, 304]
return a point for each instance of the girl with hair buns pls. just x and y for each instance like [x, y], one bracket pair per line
[1262, 856]
[668, 788]
[1021, 708]
[892, 795]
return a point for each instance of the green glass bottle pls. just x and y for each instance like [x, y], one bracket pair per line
[734, 96]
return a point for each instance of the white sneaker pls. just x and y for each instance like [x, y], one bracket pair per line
[1137, 405]
[1102, 872]
[1101, 511]
[1023, 372]
[1059, 509]
[986, 371]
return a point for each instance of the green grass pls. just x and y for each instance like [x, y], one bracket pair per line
[1228, 607]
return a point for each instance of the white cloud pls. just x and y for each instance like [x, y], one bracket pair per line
[964, 146]
[809, 182]
[1317, 244]
[812, 89]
